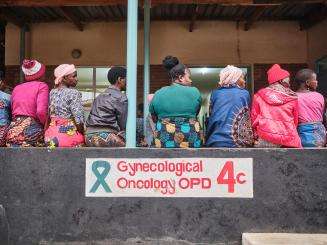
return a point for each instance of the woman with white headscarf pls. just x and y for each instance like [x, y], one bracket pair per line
[229, 123]
[66, 110]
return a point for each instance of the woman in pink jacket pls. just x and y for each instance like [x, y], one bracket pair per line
[274, 112]
[29, 103]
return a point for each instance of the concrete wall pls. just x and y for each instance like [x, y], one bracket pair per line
[317, 42]
[211, 43]
[43, 194]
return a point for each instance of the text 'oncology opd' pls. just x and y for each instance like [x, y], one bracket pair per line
[169, 177]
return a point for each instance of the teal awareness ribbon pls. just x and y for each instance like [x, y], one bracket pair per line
[100, 177]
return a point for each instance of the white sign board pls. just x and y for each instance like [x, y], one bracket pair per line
[169, 177]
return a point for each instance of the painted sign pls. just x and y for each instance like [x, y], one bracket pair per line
[169, 177]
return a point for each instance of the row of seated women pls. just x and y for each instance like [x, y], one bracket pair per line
[279, 117]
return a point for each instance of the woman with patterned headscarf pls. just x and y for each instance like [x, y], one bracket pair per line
[229, 122]
[66, 110]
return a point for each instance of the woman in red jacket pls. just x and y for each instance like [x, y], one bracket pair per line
[274, 112]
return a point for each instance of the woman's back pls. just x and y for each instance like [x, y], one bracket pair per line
[311, 107]
[176, 101]
[30, 99]
[229, 123]
[66, 103]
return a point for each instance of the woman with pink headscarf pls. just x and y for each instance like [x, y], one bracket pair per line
[229, 123]
[66, 127]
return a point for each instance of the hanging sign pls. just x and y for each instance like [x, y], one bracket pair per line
[169, 177]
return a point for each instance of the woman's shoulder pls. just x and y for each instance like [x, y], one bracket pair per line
[36, 84]
[195, 89]
[74, 91]
[318, 95]
[4, 95]
[66, 91]
[232, 90]
[314, 94]
[243, 91]
[191, 90]
[162, 91]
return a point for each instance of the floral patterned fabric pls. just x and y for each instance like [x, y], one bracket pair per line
[3, 134]
[25, 132]
[178, 133]
[105, 139]
[66, 111]
[63, 133]
[312, 134]
[261, 143]
[66, 103]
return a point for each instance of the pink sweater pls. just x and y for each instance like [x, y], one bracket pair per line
[311, 107]
[31, 99]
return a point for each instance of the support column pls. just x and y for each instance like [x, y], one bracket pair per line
[22, 49]
[2, 45]
[146, 71]
[131, 72]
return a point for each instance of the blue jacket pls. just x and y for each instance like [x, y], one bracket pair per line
[5, 109]
[229, 123]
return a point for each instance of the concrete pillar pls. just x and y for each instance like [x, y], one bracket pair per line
[146, 71]
[22, 48]
[131, 72]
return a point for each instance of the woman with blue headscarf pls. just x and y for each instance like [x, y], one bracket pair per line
[229, 123]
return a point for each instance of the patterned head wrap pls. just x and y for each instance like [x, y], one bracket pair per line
[229, 76]
[33, 70]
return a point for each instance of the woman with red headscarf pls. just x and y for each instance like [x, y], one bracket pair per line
[275, 112]
[66, 127]
[29, 103]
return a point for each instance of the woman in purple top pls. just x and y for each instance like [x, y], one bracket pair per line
[29, 103]
[311, 108]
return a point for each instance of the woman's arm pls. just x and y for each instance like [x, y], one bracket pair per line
[324, 113]
[42, 103]
[296, 113]
[77, 111]
[255, 110]
[122, 110]
[153, 112]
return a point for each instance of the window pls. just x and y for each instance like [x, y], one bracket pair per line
[321, 67]
[91, 82]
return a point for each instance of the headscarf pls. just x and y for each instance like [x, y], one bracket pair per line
[32, 69]
[229, 76]
[276, 73]
[63, 70]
